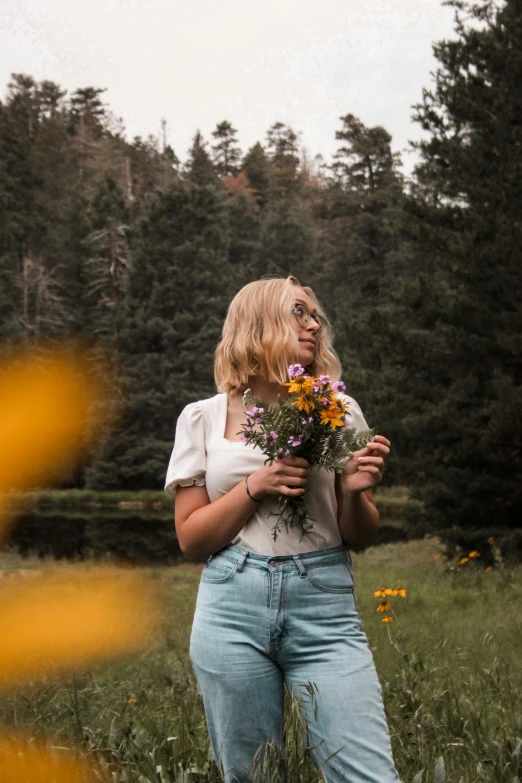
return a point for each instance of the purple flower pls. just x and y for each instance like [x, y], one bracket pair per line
[338, 387]
[303, 422]
[325, 379]
[325, 402]
[255, 410]
[295, 442]
[316, 386]
[280, 451]
[287, 453]
[310, 419]
[295, 369]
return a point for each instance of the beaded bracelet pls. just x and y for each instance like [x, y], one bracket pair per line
[256, 500]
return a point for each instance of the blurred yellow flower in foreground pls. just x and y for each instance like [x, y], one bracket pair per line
[52, 407]
[387, 619]
[463, 560]
[384, 606]
[21, 762]
[71, 616]
[45, 421]
[399, 591]
[474, 553]
[488, 569]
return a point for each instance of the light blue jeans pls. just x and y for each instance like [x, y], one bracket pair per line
[264, 621]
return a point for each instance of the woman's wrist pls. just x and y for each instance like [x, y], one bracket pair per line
[254, 491]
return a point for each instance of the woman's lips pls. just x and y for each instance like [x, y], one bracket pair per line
[311, 343]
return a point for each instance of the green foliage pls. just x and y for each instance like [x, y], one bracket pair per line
[456, 327]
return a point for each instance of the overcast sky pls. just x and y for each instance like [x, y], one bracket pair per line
[252, 62]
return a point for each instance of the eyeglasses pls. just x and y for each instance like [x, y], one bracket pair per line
[303, 317]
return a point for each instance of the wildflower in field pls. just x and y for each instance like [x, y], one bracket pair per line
[399, 591]
[488, 569]
[381, 592]
[387, 619]
[437, 556]
[474, 554]
[463, 560]
[132, 701]
[384, 606]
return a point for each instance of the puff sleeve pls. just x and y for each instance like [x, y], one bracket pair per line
[188, 460]
[354, 416]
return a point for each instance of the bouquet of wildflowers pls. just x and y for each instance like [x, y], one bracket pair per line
[310, 423]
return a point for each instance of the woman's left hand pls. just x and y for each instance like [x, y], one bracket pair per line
[365, 469]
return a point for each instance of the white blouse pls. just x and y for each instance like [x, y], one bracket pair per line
[203, 456]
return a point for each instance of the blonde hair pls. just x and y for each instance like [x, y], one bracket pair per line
[257, 338]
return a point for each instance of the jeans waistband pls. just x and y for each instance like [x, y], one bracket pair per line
[319, 557]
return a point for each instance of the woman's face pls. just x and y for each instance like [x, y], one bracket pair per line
[305, 335]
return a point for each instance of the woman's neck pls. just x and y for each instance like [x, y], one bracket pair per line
[266, 390]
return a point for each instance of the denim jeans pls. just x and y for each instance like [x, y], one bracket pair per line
[264, 621]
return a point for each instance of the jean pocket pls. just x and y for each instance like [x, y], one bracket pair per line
[335, 578]
[219, 571]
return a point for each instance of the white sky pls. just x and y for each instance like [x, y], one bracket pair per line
[253, 62]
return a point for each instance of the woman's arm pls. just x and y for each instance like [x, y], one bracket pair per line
[359, 520]
[203, 527]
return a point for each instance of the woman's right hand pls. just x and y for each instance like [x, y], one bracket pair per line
[287, 476]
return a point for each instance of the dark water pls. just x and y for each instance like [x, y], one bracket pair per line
[126, 536]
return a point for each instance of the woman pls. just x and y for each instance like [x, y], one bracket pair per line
[270, 612]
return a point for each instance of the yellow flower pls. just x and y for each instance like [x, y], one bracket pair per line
[384, 606]
[488, 569]
[304, 403]
[437, 556]
[332, 416]
[343, 406]
[132, 701]
[24, 759]
[72, 616]
[45, 405]
[463, 560]
[474, 553]
[399, 591]
[300, 385]
[387, 619]
[381, 592]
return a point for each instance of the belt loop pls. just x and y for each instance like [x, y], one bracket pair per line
[241, 562]
[299, 564]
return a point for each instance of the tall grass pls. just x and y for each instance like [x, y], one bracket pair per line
[448, 664]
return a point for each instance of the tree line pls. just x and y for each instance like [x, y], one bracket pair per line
[123, 244]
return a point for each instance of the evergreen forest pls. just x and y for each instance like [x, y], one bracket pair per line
[123, 244]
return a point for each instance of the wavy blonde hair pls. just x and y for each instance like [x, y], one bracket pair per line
[257, 338]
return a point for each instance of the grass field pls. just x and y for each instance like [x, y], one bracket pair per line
[449, 664]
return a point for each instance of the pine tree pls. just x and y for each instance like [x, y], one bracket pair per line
[179, 286]
[256, 166]
[361, 257]
[461, 316]
[226, 153]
